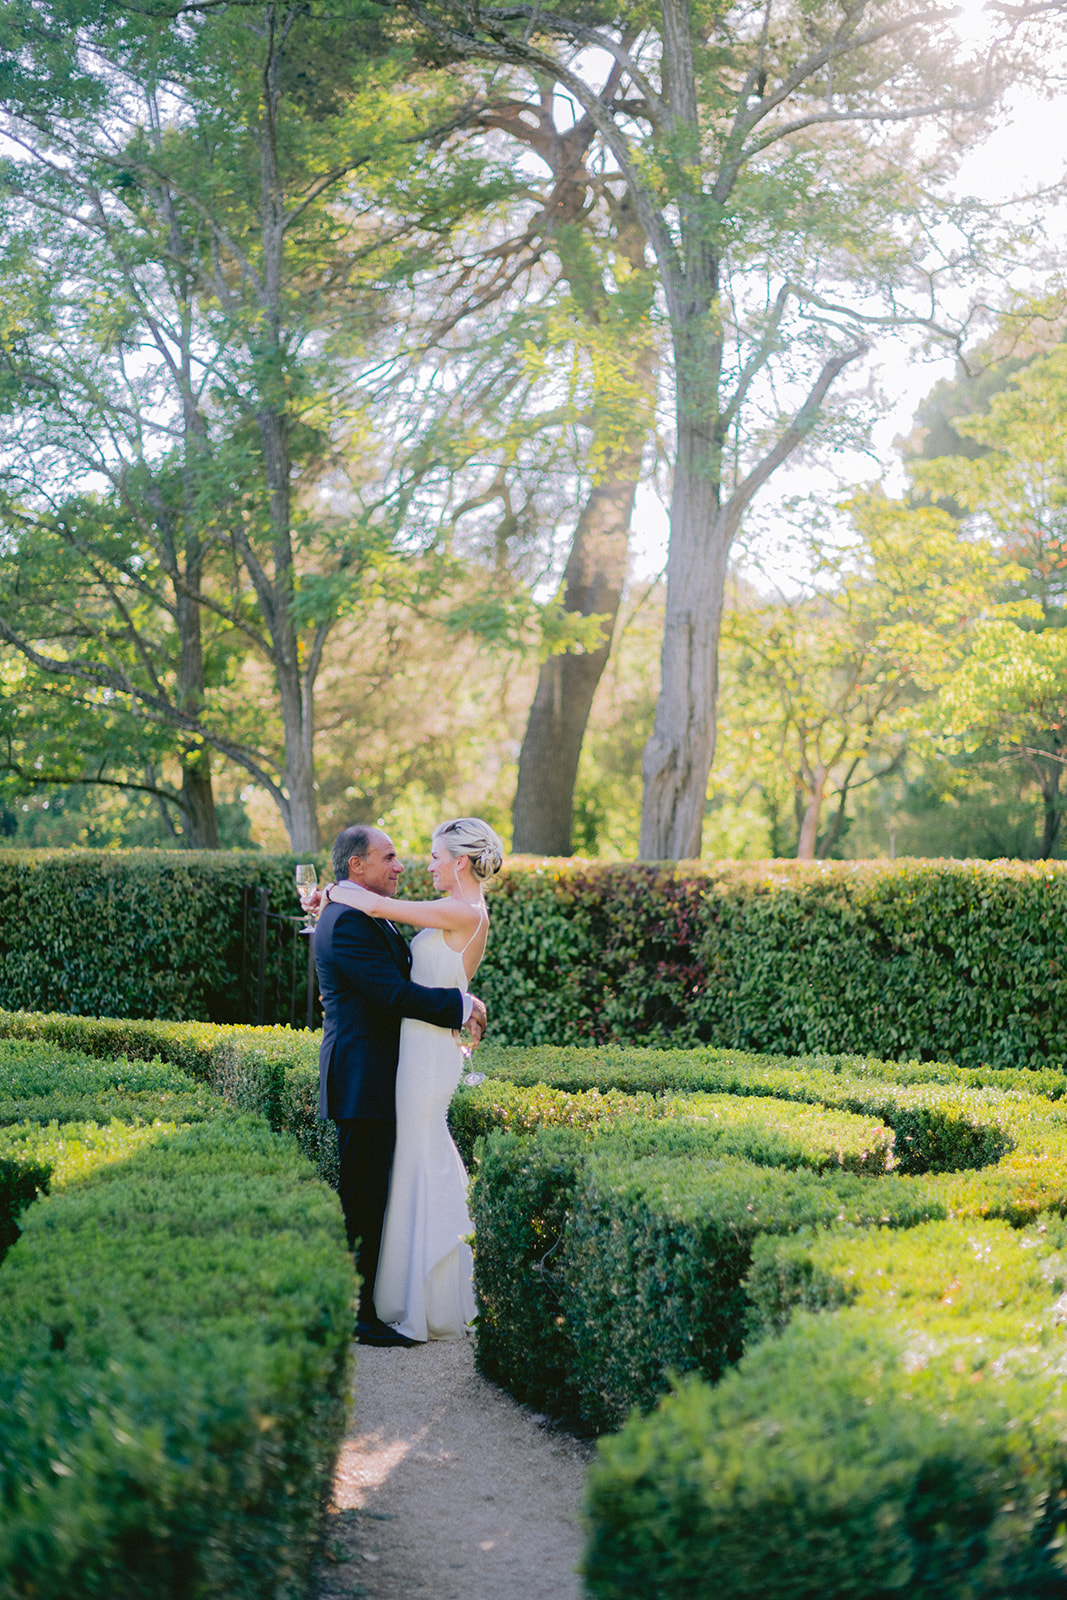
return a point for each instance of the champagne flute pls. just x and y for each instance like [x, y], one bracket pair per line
[467, 1042]
[306, 879]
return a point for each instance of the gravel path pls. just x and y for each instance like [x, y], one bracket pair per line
[446, 1489]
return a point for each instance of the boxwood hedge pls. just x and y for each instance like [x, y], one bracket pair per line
[848, 1458]
[875, 1399]
[628, 1251]
[889, 1413]
[774, 1133]
[273, 1071]
[175, 1325]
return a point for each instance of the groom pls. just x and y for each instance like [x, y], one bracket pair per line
[364, 968]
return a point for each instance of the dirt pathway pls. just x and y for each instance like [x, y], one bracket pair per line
[448, 1490]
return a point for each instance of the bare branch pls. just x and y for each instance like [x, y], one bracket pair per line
[759, 357]
[69, 780]
[505, 48]
[1048, 755]
[793, 436]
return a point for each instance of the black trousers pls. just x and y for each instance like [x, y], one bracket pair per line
[365, 1145]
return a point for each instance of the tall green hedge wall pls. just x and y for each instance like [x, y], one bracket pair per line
[137, 933]
[936, 960]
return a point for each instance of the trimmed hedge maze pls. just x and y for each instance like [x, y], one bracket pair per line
[175, 1325]
[852, 1275]
[823, 1301]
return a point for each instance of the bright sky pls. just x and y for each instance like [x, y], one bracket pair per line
[1027, 152]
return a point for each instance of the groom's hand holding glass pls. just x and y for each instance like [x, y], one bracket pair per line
[478, 1018]
[312, 895]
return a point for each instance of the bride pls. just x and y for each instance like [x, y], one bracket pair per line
[423, 1287]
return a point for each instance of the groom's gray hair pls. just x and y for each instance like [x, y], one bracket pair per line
[355, 840]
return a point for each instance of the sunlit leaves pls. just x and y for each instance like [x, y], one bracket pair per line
[827, 684]
[1015, 491]
[1012, 687]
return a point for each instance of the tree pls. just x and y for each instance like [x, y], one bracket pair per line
[1012, 485]
[194, 202]
[600, 249]
[54, 741]
[1012, 693]
[530, 398]
[767, 154]
[826, 687]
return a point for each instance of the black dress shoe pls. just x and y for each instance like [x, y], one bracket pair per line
[381, 1334]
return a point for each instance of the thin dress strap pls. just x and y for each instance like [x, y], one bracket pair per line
[477, 930]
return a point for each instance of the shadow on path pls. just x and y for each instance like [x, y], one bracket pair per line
[446, 1489]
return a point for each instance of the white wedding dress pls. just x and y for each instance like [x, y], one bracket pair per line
[424, 1285]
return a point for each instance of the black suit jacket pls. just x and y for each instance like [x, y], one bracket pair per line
[364, 967]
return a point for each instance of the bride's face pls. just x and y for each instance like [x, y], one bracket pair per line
[442, 868]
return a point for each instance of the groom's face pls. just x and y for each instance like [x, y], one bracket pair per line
[379, 869]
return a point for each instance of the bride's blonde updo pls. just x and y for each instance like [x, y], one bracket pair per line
[475, 839]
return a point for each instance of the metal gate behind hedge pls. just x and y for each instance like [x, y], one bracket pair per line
[277, 966]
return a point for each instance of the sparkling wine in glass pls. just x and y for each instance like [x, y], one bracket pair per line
[306, 879]
[466, 1041]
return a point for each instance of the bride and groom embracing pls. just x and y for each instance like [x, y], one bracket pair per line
[389, 1064]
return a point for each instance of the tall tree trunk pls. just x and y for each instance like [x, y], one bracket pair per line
[200, 825]
[551, 749]
[295, 685]
[677, 758]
